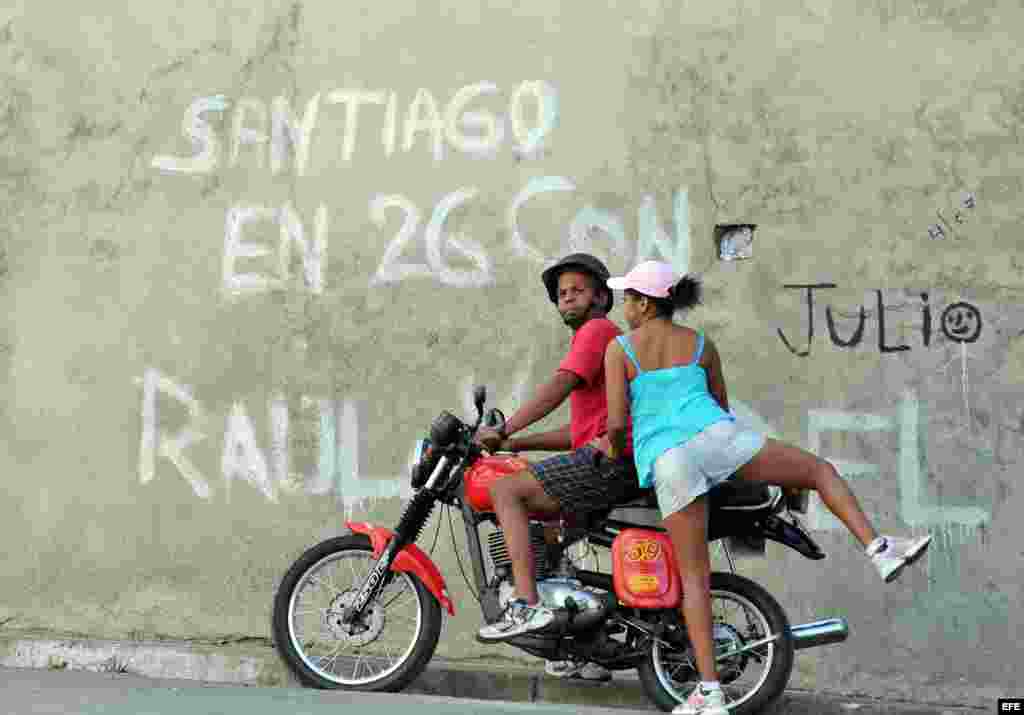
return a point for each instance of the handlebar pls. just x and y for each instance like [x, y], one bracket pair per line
[495, 419]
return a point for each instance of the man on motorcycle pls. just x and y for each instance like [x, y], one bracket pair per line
[580, 481]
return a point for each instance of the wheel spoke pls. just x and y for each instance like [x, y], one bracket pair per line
[324, 585]
[401, 594]
[333, 657]
[676, 670]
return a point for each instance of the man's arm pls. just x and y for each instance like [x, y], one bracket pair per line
[549, 396]
[618, 397]
[559, 440]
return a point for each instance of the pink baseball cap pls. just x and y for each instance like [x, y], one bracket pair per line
[652, 278]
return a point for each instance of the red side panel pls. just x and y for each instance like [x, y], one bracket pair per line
[411, 559]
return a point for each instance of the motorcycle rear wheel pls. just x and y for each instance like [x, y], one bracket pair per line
[669, 675]
[347, 656]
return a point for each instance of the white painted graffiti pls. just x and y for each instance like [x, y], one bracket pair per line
[292, 233]
[392, 270]
[652, 240]
[338, 469]
[915, 509]
[276, 130]
[475, 132]
[585, 234]
[242, 459]
[159, 443]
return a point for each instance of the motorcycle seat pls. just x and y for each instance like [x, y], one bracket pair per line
[727, 496]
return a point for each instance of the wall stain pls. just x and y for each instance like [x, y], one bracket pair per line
[283, 42]
[946, 611]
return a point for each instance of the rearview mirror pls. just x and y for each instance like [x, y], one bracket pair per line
[479, 397]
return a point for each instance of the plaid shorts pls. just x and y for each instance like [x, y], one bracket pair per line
[586, 480]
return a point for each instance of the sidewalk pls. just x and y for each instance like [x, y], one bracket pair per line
[254, 662]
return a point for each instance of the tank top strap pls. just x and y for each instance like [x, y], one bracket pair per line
[700, 348]
[627, 346]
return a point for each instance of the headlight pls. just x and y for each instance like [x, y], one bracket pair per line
[419, 450]
[444, 430]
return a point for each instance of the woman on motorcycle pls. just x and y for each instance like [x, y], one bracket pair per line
[686, 441]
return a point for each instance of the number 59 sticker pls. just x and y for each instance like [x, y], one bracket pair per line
[646, 550]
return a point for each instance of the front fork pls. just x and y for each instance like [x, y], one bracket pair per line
[413, 519]
[379, 577]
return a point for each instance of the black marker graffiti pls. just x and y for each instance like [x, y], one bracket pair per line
[926, 321]
[882, 347]
[936, 232]
[810, 316]
[960, 322]
[858, 334]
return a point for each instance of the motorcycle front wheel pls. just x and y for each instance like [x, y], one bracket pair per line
[383, 652]
[753, 651]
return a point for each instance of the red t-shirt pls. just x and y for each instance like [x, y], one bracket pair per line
[588, 403]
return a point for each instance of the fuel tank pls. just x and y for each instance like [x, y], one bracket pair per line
[487, 470]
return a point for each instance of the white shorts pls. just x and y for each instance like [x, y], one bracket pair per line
[683, 473]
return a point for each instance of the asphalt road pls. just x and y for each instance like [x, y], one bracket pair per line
[32, 692]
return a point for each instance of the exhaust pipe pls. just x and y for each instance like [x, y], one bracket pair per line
[826, 632]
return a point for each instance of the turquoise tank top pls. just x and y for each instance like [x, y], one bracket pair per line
[668, 407]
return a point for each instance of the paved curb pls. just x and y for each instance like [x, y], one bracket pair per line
[255, 662]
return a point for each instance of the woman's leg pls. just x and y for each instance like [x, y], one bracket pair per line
[688, 529]
[787, 466]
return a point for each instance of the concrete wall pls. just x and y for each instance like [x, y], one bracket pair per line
[246, 255]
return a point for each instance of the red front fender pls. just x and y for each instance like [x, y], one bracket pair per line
[411, 558]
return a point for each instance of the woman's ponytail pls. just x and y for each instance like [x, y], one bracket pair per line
[686, 293]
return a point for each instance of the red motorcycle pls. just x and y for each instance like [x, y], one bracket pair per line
[363, 611]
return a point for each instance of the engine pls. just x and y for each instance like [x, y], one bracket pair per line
[498, 550]
[580, 608]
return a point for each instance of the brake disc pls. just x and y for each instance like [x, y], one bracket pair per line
[359, 632]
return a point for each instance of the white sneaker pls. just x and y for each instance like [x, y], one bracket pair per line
[703, 702]
[517, 619]
[891, 555]
[590, 672]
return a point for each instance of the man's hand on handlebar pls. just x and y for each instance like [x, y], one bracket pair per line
[490, 440]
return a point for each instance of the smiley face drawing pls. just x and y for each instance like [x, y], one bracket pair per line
[961, 322]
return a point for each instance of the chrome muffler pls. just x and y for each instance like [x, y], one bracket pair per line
[816, 633]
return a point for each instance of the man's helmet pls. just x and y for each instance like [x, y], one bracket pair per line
[584, 263]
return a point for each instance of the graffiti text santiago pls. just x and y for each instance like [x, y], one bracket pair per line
[475, 132]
